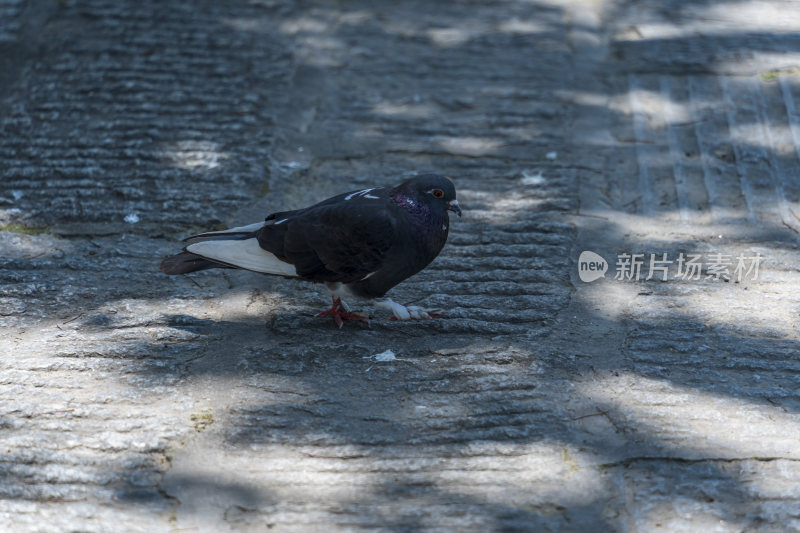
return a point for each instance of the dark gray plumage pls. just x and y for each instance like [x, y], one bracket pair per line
[360, 243]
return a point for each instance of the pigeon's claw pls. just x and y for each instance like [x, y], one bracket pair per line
[341, 312]
[410, 312]
[414, 312]
[359, 316]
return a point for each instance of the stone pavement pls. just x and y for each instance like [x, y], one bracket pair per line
[218, 402]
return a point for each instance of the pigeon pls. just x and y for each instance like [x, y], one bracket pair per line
[359, 244]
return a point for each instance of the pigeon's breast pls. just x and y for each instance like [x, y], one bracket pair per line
[416, 246]
[430, 237]
[428, 230]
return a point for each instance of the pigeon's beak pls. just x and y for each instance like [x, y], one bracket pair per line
[453, 206]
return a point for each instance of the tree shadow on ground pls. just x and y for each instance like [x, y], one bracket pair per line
[459, 384]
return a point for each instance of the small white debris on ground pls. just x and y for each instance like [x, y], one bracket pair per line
[551, 155]
[383, 357]
[132, 218]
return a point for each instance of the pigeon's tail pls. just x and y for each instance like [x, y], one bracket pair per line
[243, 253]
[231, 248]
[186, 262]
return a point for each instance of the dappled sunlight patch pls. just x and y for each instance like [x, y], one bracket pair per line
[757, 310]
[537, 476]
[22, 247]
[689, 423]
[712, 495]
[669, 231]
[748, 309]
[154, 332]
[246, 304]
[651, 30]
[447, 37]
[681, 513]
[401, 109]
[305, 24]
[466, 145]
[460, 35]
[607, 299]
[532, 473]
[313, 38]
[502, 206]
[724, 18]
[328, 44]
[744, 279]
[235, 305]
[195, 155]
[642, 98]
[519, 26]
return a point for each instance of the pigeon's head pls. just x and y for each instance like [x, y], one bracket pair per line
[432, 189]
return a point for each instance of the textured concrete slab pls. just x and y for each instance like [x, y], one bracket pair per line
[219, 402]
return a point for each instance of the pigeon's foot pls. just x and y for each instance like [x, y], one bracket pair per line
[410, 312]
[341, 312]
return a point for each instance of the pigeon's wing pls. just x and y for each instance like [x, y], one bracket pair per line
[360, 196]
[343, 241]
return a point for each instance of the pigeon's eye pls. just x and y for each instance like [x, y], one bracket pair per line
[437, 193]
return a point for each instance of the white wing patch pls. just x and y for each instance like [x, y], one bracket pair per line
[245, 254]
[280, 221]
[364, 193]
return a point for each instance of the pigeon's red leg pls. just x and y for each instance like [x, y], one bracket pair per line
[339, 314]
[334, 311]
